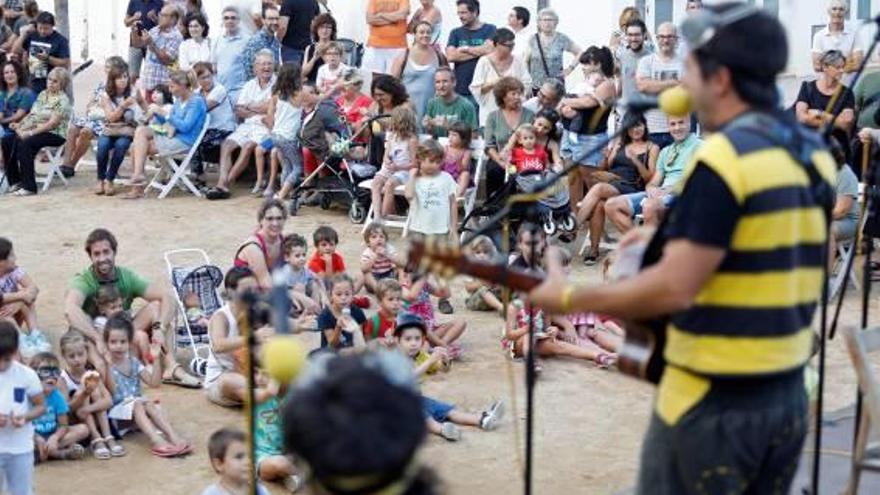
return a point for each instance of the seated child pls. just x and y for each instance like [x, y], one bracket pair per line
[410, 333]
[228, 452]
[163, 102]
[18, 296]
[401, 141]
[341, 322]
[306, 290]
[87, 396]
[483, 296]
[225, 385]
[109, 302]
[130, 407]
[54, 437]
[457, 155]
[21, 401]
[522, 257]
[329, 77]
[417, 300]
[380, 327]
[377, 260]
[327, 262]
[526, 156]
[271, 463]
[591, 330]
[195, 316]
[547, 341]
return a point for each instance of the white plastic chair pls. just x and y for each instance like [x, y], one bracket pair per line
[179, 171]
[56, 157]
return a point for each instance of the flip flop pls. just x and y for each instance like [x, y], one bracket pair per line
[216, 193]
[188, 381]
[184, 448]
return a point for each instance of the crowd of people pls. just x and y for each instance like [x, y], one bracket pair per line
[276, 89]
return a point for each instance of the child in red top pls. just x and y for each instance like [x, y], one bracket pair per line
[526, 156]
[380, 327]
[326, 262]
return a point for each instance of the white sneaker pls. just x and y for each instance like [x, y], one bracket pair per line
[450, 432]
[492, 416]
[294, 483]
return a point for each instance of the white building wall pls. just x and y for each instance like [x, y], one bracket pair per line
[587, 21]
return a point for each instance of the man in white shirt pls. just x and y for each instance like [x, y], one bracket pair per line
[518, 22]
[837, 36]
[548, 96]
[657, 72]
[251, 107]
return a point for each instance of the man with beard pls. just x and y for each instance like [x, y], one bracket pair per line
[630, 55]
[152, 321]
[264, 39]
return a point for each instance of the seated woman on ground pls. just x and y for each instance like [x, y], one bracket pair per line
[85, 128]
[262, 252]
[181, 128]
[625, 169]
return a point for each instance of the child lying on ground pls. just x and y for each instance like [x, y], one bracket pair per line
[442, 418]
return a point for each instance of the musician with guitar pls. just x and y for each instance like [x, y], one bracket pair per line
[737, 267]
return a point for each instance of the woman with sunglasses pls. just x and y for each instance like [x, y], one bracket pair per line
[499, 63]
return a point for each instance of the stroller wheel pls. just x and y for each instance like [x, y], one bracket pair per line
[198, 366]
[357, 213]
[549, 226]
[569, 223]
[326, 199]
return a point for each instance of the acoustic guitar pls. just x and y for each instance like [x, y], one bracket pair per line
[642, 353]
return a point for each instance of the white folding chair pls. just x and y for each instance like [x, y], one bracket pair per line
[391, 221]
[180, 170]
[861, 343]
[845, 251]
[56, 157]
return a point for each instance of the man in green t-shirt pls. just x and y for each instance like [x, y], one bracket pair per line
[447, 107]
[151, 322]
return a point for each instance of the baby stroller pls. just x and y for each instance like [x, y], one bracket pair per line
[553, 209]
[337, 178]
[196, 276]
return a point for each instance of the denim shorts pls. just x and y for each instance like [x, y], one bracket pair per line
[437, 410]
[637, 199]
[580, 148]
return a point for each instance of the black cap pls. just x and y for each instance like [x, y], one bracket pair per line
[409, 320]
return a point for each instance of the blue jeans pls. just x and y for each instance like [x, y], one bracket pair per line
[111, 149]
[292, 55]
[19, 472]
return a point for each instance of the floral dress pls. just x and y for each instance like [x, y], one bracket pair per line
[523, 317]
[93, 120]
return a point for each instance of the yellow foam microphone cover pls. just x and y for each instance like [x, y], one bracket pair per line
[675, 101]
[283, 358]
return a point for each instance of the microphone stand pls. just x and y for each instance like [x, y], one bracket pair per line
[835, 110]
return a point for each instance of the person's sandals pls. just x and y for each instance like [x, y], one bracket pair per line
[99, 189]
[109, 190]
[73, 453]
[605, 360]
[445, 307]
[450, 432]
[294, 483]
[215, 193]
[100, 450]
[591, 258]
[491, 417]
[184, 448]
[136, 191]
[116, 448]
[179, 377]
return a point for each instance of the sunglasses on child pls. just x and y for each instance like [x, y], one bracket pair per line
[47, 372]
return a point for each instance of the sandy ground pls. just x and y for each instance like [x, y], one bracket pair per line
[588, 423]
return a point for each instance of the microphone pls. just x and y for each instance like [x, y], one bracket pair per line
[674, 101]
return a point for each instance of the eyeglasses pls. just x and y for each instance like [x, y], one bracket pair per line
[666, 36]
[47, 372]
[273, 219]
[508, 45]
[230, 18]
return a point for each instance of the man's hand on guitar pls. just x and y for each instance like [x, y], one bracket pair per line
[549, 295]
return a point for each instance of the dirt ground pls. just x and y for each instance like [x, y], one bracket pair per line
[588, 424]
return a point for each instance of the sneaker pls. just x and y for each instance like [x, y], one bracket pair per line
[67, 171]
[445, 307]
[492, 416]
[294, 483]
[362, 302]
[591, 259]
[450, 432]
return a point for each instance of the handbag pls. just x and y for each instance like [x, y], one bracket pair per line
[118, 129]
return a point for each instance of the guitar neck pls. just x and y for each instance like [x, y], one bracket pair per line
[514, 278]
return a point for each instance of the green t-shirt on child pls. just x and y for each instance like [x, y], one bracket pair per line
[129, 284]
[268, 437]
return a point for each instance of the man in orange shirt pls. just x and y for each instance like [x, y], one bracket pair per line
[387, 40]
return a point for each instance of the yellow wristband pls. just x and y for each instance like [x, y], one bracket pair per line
[567, 293]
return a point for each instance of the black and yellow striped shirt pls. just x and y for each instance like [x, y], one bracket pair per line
[745, 194]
